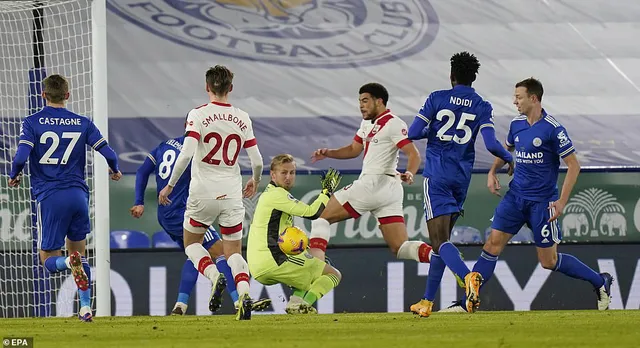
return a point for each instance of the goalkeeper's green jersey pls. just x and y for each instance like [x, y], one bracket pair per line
[274, 212]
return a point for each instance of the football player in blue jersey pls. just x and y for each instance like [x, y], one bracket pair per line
[54, 141]
[539, 142]
[170, 217]
[450, 120]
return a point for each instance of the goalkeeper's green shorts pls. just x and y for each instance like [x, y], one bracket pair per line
[299, 271]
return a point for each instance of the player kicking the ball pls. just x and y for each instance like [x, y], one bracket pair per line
[215, 134]
[310, 277]
[378, 190]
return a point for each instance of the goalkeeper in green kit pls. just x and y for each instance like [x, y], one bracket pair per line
[310, 277]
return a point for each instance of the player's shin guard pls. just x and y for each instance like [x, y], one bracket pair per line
[451, 257]
[188, 279]
[55, 264]
[320, 234]
[434, 278]
[485, 265]
[321, 287]
[574, 268]
[414, 250]
[240, 271]
[202, 261]
[223, 267]
[85, 295]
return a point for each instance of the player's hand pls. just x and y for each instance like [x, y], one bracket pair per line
[330, 180]
[556, 207]
[511, 167]
[163, 197]
[494, 184]
[137, 211]
[250, 189]
[15, 182]
[407, 177]
[115, 176]
[319, 155]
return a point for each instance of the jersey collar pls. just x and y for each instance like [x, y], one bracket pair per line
[384, 113]
[464, 88]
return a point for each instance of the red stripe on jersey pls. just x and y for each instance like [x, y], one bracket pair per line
[201, 106]
[193, 134]
[403, 142]
[354, 214]
[390, 220]
[381, 121]
[357, 139]
[221, 104]
[250, 142]
[231, 230]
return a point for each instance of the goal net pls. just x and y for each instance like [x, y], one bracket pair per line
[38, 38]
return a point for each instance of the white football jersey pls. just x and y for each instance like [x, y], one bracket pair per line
[222, 131]
[382, 141]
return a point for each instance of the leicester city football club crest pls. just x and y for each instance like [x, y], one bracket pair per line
[537, 142]
[306, 33]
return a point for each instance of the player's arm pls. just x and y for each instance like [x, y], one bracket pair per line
[420, 125]
[285, 202]
[352, 150]
[25, 145]
[142, 178]
[251, 145]
[399, 137]
[99, 144]
[189, 146]
[488, 131]
[567, 152]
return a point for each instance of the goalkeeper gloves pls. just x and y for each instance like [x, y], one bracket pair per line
[330, 181]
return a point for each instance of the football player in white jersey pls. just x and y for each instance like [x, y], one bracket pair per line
[378, 189]
[215, 134]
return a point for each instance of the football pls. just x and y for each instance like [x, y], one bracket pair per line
[293, 241]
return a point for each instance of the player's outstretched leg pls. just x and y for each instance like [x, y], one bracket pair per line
[574, 268]
[321, 286]
[188, 279]
[321, 227]
[436, 270]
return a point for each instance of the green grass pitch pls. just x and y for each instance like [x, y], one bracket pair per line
[540, 329]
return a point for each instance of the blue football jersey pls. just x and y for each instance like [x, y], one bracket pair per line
[58, 138]
[454, 118]
[538, 149]
[164, 157]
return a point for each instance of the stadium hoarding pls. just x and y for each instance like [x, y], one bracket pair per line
[373, 281]
[604, 207]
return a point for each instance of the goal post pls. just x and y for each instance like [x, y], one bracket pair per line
[39, 38]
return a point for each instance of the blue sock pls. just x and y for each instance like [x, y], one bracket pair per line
[188, 279]
[55, 264]
[451, 257]
[223, 267]
[574, 268]
[485, 265]
[436, 270]
[85, 295]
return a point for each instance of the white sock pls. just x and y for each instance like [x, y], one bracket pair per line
[202, 261]
[240, 271]
[320, 234]
[414, 250]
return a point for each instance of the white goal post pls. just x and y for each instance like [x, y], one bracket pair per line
[40, 38]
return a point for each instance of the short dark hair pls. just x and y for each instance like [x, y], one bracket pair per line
[55, 88]
[219, 79]
[464, 68]
[376, 90]
[533, 86]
